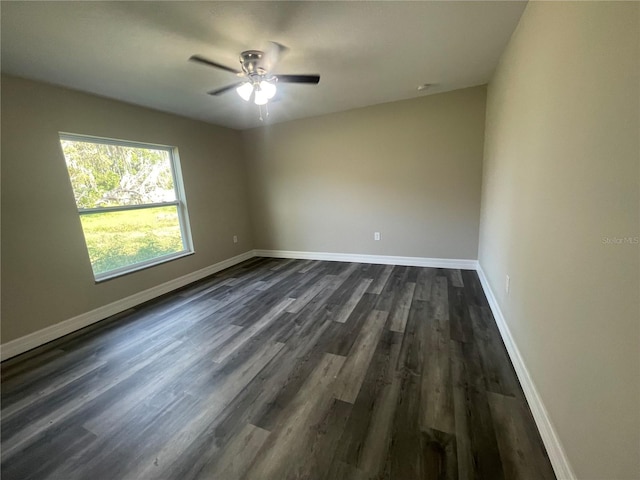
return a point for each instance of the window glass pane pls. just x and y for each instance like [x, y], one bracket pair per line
[105, 175]
[120, 239]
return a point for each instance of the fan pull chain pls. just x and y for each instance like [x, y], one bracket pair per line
[266, 111]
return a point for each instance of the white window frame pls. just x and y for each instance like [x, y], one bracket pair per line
[180, 202]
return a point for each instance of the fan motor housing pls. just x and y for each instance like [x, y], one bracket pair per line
[250, 61]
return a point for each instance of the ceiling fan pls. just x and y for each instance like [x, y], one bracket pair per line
[255, 69]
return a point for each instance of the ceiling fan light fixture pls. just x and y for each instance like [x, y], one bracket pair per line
[261, 97]
[245, 90]
[268, 88]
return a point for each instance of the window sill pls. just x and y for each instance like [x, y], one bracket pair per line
[136, 268]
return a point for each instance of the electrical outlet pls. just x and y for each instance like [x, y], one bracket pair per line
[507, 284]
[235, 239]
[376, 236]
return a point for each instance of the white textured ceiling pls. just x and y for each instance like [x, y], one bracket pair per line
[366, 52]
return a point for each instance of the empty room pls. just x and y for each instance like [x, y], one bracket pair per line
[320, 240]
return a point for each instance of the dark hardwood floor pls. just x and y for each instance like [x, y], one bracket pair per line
[279, 369]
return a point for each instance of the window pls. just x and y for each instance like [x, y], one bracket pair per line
[131, 203]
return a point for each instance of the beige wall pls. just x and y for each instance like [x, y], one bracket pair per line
[561, 173]
[410, 170]
[46, 273]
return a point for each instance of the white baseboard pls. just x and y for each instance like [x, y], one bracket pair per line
[379, 259]
[36, 339]
[556, 453]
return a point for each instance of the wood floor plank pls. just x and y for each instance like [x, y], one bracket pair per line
[153, 432]
[424, 283]
[49, 452]
[499, 374]
[454, 277]
[352, 301]
[344, 296]
[28, 399]
[392, 290]
[477, 447]
[291, 438]
[281, 274]
[440, 300]
[355, 367]
[101, 423]
[460, 326]
[400, 311]
[30, 361]
[411, 357]
[366, 438]
[309, 293]
[129, 445]
[464, 452]
[523, 456]
[311, 264]
[381, 280]
[240, 337]
[473, 288]
[213, 400]
[436, 390]
[323, 440]
[237, 456]
[258, 393]
[405, 457]
[303, 360]
[266, 400]
[277, 266]
[279, 369]
[440, 459]
[15, 437]
[343, 471]
[343, 335]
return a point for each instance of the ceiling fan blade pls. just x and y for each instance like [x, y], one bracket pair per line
[314, 79]
[205, 61]
[222, 90]
[273, 54]
[278, 47]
